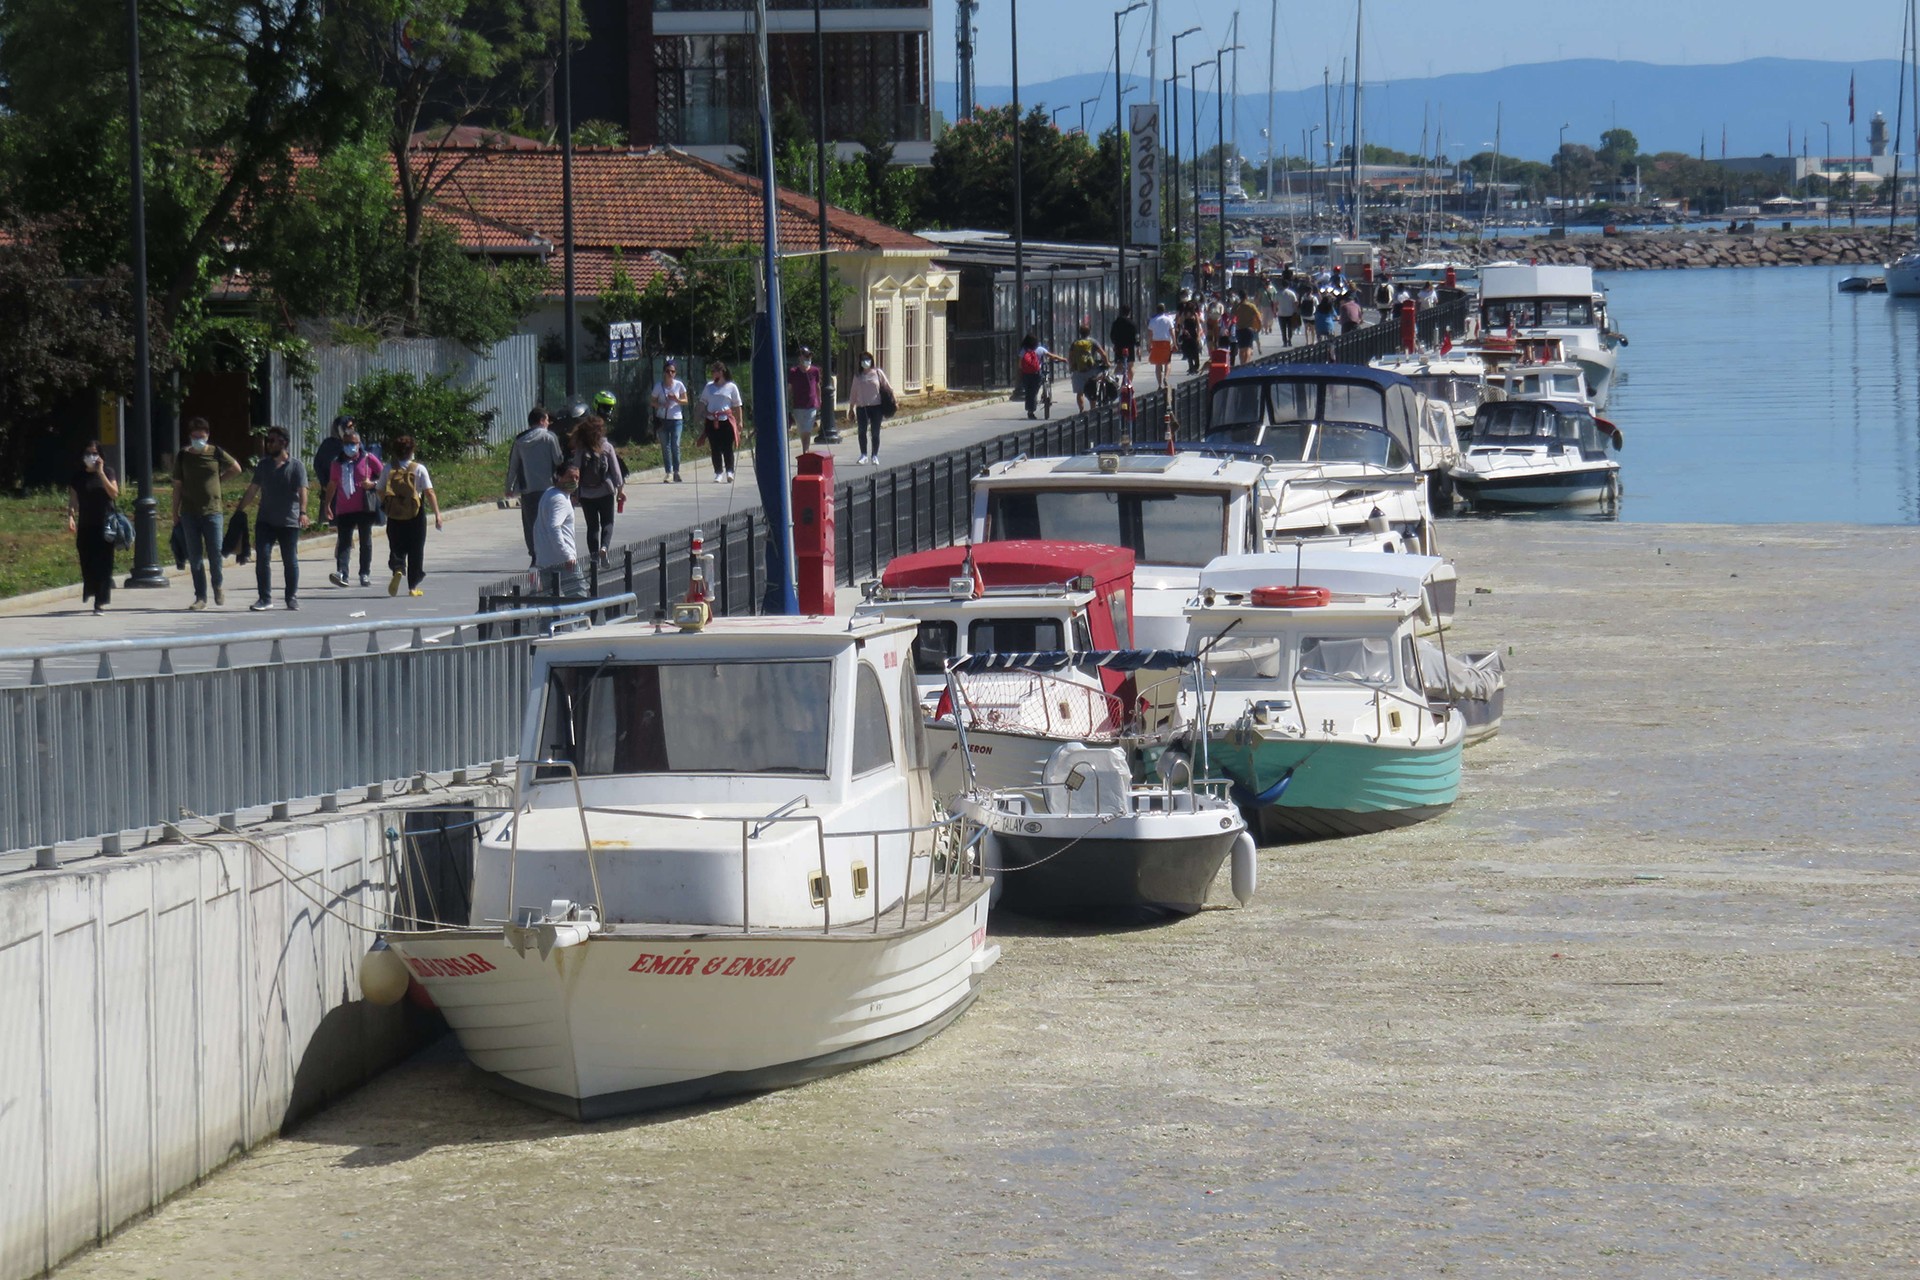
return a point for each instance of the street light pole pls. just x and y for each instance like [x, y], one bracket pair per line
[1019, 219]
[1121, 197]
[1220, 128]
[1084, 104]
[826, 430]
[1193, 102]
[1560, 159]
[566, 202]
[146, 526]
[1174, 98]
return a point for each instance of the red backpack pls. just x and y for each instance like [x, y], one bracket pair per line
[1030, 360]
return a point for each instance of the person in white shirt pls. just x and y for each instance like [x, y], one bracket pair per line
[669, 407]
[720, 403]
[1429, 296]
[554, 554]
[1286, 312]
[1160, 343]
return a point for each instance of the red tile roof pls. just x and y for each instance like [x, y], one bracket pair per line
[645, 201]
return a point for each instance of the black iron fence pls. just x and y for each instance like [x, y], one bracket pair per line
[926, 504]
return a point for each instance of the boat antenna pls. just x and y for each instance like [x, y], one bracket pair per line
[1299, 561]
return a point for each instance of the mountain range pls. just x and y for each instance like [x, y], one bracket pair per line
[1668, 108]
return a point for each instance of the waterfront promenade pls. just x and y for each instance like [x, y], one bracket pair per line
[1639, 1005]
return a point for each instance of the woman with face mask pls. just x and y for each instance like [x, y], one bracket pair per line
[720, 399]
[868, 398]
[91, 493]
[349, 502]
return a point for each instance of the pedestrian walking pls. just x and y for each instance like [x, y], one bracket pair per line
[1160, 339]
[329, 451]
[280, 486]
[556, 558]
[720, 406]
[1085, 357]
[669, 408]
[91, 494]
[603, 483]
[1123, 337]
[1286, 312]
[869, 398]
[1189, 334]
[536, 452]
[199, 509]
[1349, 312]
[351, 501]
[1246, 327]
[803, 399]
[406, 494]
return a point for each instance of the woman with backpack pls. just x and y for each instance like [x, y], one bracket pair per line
[1033, 366]
[349, 503]
[869, 399]
[603, 485]
[405, 495]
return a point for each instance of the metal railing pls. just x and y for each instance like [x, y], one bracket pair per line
[93, 758]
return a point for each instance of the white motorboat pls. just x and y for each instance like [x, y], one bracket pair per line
[1559, 302]
[1090, 840]
[1318, 699]
[1347, 449]
[722, 871]
[1455, 379]
[1539, 453]
[1466, 277]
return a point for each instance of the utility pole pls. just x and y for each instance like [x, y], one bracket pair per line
[1019, 201]
[571, 321]
[146, 527]
[1120, 157]
[1273, 49]
[827, 431]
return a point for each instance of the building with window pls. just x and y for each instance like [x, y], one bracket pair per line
[681, 72]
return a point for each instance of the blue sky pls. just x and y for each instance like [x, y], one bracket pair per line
[1407, 40]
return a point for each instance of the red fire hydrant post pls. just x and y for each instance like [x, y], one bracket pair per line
[813, 534]
[1409, 325]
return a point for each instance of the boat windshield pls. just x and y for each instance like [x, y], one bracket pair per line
[1452, 390]
[1307, 421]
[1533, 313]
[1535, 422]
[692, 717]
[1160, 526]
[1365, 658]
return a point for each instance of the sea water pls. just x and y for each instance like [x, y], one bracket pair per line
[1759, 394]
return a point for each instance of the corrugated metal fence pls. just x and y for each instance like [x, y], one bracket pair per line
[509, 371]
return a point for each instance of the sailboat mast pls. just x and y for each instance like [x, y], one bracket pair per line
[1359, 22]
[1899, 123]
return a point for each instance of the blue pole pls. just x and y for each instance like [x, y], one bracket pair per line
[769, 371]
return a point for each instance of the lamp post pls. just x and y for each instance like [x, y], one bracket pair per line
[1220, 129]
[1306, 150]
[826, 431]
[1560, 160]
[1056, 114]
[1084, 104]
[1193, 102]
[146, 528]
[1174, 98]
[570, 320]
[1121, 199]
[1019, 219]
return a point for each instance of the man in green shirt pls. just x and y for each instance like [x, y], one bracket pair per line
[198, 509]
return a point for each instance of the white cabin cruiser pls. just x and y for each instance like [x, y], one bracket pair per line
[1554, 301]
[1456, 379]
[722, 871]
[1539, 453]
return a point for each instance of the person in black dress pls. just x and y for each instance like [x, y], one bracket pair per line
[91, 494]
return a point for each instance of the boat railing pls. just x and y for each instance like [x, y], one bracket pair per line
[1036, 703]
[1381, 694]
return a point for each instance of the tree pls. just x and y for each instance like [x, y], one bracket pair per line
[1069, 185]
[447, 63]
[1619, 149]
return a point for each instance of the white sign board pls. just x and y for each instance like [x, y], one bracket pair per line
[623, 341]
[1145, 201]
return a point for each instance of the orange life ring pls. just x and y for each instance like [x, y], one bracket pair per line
[1291, 597]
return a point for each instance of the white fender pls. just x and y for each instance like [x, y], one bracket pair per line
[383, 975]
[1245, 867]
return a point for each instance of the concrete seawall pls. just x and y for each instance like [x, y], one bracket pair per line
[166, 1012]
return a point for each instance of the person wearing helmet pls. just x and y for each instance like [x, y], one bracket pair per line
[604, 403]
[536, 454]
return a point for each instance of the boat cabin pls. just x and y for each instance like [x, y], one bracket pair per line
[1534, 297]
[656, 760]
[1316, 252]
[1346, 413]
[1557, 425]
[1023, 596]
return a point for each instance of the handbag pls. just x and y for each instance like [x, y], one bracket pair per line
[118, 530]
[888, 405]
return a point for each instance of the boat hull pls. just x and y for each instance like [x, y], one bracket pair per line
[1063, 874]
[1567, 488]
[1340, 788]
[631, 1020]
[1903, 277]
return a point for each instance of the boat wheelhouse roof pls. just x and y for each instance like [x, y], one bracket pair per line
[1135, 470]
[1364, 375]
[723, 639]
[1502, 282]
[1022, 562]
[1341, 571]
[1421, 364]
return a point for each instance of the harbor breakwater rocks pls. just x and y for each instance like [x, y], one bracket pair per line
[1655, 250]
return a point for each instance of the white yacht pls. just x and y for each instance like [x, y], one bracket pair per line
[722, 871]
[1903, 275]
[1539, 453]
[1554, 301]
[1456, 379]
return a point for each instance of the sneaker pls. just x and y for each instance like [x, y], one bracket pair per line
[199, 603]
[258, 606]
[293, 602]
[676, 478]
[416, 592]
[99, 609]
[365, 580]
[337, 579]
[862, 462]
[219, 595]
[393, 584]
[875, 460]
[665, 478]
